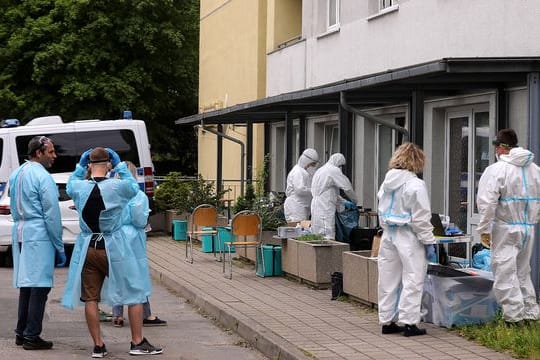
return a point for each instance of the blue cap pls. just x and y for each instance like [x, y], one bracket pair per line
[127, 115]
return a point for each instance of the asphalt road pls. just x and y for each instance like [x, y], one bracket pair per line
[188, 335]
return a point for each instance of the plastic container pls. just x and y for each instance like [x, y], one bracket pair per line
[225, 235]
[179, 230]
[289, 232]
[209, 241]
[215, 243]
[272, 261]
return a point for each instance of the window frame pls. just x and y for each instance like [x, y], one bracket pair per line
[337, 7]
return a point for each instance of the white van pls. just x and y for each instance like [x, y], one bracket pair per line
[127, 137]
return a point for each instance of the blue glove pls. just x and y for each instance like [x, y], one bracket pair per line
[431, 255]
[85, 158]
[349, 205]
[60, 259]
[113, 156]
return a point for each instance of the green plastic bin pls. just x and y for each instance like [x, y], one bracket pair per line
[225, 235]
[272, 261]
[179, 230]
[215, 243]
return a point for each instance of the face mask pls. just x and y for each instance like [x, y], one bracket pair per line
[311, 170]
[497, 157]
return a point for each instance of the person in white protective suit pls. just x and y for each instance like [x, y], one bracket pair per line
[405, 213]
[327, 182]
[107, 264]
[508, 201]
[298, 202]
[36, 240]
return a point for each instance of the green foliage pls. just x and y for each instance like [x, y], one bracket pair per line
[183, 196]
[92, 59]
[269, 208]
[310, 237]
[522, 340]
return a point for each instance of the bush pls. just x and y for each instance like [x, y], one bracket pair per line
[185, 195]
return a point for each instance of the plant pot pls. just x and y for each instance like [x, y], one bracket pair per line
[360, 276]
[313, 262]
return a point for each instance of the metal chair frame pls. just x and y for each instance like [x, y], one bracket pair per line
[245, 223]
[204, 215]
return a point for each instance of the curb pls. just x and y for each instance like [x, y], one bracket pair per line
[261, 338]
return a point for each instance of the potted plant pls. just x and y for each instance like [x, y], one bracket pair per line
[312, 259]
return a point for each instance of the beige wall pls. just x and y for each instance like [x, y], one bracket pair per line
[232, 70]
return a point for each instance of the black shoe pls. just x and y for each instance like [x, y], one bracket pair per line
[392, 328]
[99, 351]
[155, 322]
[413, 330]
[19, 340]
[36, 343]
[144, 348]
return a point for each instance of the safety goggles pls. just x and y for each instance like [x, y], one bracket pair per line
[496, 142]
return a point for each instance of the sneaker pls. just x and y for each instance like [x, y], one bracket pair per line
[99, 351]
[19, 340]
[144, 348]
[413, 330]
[36, 343]
[392, 328]
[155, 322]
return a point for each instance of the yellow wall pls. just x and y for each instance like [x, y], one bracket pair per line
[232, 70]
[284, 22]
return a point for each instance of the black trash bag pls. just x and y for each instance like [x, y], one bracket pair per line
[337, 284]
[345, 222]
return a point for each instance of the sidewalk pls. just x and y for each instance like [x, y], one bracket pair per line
[287, 320]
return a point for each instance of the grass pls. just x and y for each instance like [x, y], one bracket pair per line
[521, 341]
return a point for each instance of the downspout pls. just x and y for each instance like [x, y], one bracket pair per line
[242, 151]
[376, 119]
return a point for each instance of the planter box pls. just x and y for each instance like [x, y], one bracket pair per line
[313, 262]
[360, 276]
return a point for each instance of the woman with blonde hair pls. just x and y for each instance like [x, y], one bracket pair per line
[405, 214]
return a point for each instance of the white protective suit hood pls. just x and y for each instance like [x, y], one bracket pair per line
[395, 178]
[298, 191]
[518, 156]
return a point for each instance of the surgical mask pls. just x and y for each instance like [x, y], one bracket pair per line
[311, 170]
[497, 157]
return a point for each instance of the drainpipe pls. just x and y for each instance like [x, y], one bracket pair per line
[376, 119]
[242, 152]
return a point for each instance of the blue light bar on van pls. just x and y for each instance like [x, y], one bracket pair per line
[127, 115]
[10, 123]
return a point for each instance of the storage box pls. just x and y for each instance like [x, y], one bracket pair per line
[459, 300]
[179, 230]
[215, 243]
[289, 232]
[272, 261]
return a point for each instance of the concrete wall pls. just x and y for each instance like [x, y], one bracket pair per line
[418, 31]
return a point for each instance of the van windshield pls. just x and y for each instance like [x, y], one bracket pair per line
[70, 145]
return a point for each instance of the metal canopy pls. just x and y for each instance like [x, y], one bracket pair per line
[445, 77]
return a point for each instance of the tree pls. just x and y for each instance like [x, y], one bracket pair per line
[86, 59]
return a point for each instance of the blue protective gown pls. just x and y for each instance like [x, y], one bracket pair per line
[123, 285]
[37, 225]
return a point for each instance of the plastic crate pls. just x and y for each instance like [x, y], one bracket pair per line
[215, 243]
[272, 261]
[179, 230]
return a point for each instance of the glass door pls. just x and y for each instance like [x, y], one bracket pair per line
[468, 155]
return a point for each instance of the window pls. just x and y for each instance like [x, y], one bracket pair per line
[331, 140]
[332, 20]
[383, 4]
[69, 146]
[388, 140]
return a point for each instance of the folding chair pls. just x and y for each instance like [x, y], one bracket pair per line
[204, 215]
[243, 225]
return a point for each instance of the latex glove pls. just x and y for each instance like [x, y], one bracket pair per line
[85, 158]
[113, 156]
[349, 205]
[485, 239]
[431, 254]
[60, 259]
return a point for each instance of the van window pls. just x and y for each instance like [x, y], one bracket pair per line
[69, 146]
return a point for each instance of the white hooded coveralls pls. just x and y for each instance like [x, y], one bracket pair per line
[405, 216]
[298, 202]
[509, 205]
[325, 190]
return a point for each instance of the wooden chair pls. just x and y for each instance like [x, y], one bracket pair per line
[245, 223]
[204, 215]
